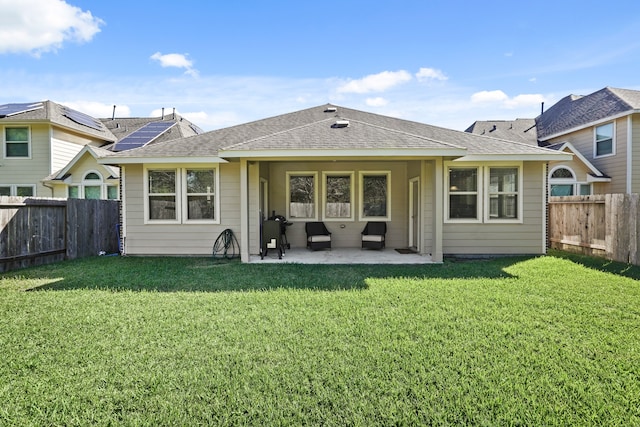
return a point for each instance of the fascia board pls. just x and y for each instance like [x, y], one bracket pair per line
[113, 160]
[370, 153]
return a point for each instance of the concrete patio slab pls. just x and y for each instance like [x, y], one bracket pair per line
[343, 256]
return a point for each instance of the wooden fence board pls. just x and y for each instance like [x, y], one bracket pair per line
[599, 225]
[38, 231]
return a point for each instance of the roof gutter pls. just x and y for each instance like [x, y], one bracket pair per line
[115, 160]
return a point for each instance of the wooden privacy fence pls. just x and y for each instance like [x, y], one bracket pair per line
[36, 231]
[603, 225]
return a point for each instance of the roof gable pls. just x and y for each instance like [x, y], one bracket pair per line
[573, 112]
[59, 115]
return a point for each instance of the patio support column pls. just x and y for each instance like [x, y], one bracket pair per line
[244, 211]
[438, 220]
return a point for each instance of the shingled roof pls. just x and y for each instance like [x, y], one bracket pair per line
[575, 111]
[519, 130]
[57, 114]
[332, 129]
[121, 127]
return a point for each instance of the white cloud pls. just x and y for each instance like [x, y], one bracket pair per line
[525, 100]
[176, 60]
[376, 102]
[429, 74]
[98, 109]
[502, 100]
[376, 82]
[39, 26]
[489, 96]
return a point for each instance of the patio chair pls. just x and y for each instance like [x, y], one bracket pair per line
[318, 237]
[373, 235]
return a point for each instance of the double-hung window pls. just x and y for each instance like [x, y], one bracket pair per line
[604, 144]
[302, 196]
[182, 195]
[200, 194]
[375, 196]
[17, 142]
[483, 193]
[18, 190]
[338, 196]
[503, 193]
[162, 193]
[464, 195]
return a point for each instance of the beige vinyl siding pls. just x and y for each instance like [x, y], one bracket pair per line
[347, 233]
[62, 153]
[614, 166]
[635, 154]
[29, 170]
[504, 238]
[87, 163]
[179, 239]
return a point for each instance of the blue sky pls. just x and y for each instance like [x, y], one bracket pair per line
[220, 63]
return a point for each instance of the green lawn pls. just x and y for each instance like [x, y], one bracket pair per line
[552, 340]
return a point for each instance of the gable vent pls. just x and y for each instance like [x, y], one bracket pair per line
[340, 124]
[330, 110]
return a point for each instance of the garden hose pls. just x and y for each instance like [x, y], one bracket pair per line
[226, 245]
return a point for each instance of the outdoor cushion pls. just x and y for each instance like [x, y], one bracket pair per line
[372, 238]
[319, 238]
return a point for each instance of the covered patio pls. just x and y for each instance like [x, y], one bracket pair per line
[343, 256]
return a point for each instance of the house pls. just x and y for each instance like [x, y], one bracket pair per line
[40, 138]
[600, 130]
[439, 191]
[603, 127]
[50, 150]
[84, 178]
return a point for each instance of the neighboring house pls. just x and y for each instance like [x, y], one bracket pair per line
[604, 127]
[39, 138]
[440, 191]
[84, 178]
[600, 130]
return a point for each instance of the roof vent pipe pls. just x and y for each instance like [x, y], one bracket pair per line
[162, 113]
[174, 113]
[113, 116]
[542, 109]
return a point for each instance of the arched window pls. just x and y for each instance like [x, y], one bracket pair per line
[563, 173]
[92, 184]
[563, 182]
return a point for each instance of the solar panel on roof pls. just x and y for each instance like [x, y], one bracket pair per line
[81, 118]
[143, 136]
[7, 110]
[196, 129]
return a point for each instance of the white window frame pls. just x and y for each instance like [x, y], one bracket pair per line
[181, 195]
[93, 183]
[290, 174]
[487, 203]
[361, 176]
[147, 194]
[484, 196]
[184, 196]
[613, 141]
[13, 189]
[5, 142]
[351, 176]
[567, 181]
[447, 190]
